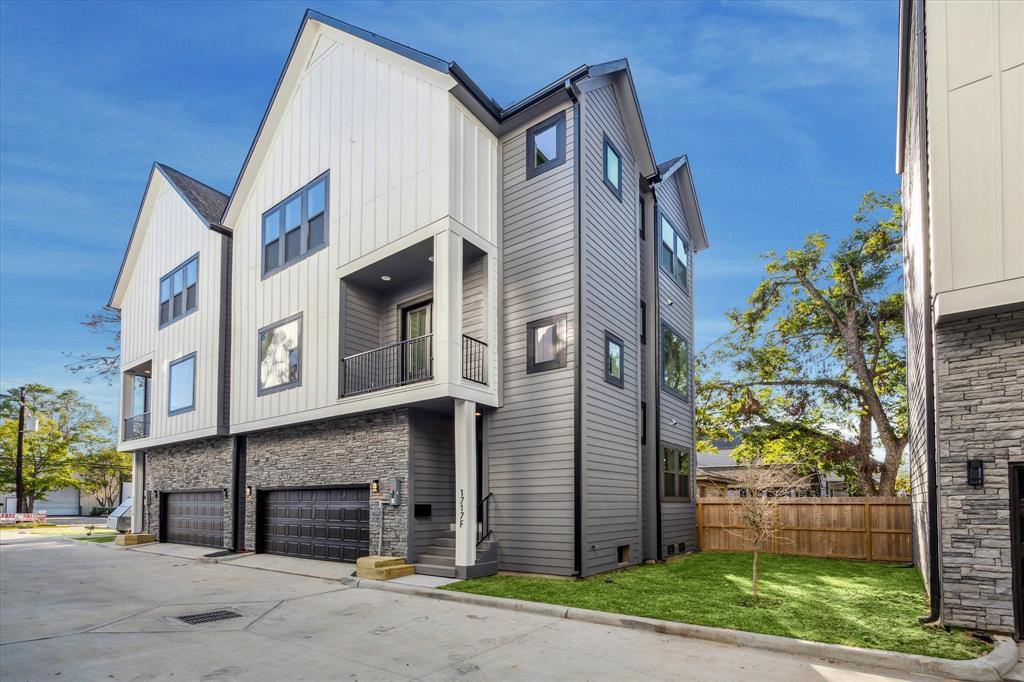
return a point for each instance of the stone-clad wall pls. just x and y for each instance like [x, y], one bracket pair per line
[345, 451]
[192, 465]
[980, 412]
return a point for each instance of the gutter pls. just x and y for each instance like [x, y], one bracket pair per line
[577, 446]
[934, 584]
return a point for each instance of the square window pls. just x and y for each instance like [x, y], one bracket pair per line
[181, 381]
[613, 359]
[546, 344]
[280, 356]
[545, 145]
[612, 168]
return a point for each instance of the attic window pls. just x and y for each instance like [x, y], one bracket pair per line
[179, 291]
[675, 253]
[545, 145]
[612, 168]
[296, 227]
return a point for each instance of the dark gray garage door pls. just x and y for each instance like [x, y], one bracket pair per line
[316, 523]
[194, 518]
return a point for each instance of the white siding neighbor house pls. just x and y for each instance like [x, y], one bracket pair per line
[420, 325]
[960, 149]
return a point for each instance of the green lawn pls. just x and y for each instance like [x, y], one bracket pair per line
[827, 600]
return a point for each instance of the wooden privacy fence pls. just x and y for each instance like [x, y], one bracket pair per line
[869, 528]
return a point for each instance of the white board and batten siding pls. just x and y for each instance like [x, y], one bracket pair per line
[380, 125]
[529, 441]
[610, 303]
[171, 233]
[678, 519]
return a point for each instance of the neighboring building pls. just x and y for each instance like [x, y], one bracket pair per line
[719, 475]
[961, 152]
[421, 325]
[69, 501]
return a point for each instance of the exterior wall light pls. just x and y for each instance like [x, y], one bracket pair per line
[975, 472]
[248, 492]
[375, 486]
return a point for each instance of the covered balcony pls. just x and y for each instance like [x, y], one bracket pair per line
[136, 405]
[396, 323]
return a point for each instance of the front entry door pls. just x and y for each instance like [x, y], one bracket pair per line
[416, 353]
[1017, 543]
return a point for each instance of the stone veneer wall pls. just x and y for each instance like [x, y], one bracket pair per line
[980, 413]
[192, 465]
[345, 451]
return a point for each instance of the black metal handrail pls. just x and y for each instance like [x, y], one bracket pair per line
[401, 363]
[474, 359]
[136, 426]
[483, 515]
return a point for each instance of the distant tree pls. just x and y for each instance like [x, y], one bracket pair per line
[47, 462]
[103, 366]
[814, 369]
[102, 473]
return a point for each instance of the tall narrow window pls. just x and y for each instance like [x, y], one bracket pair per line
[612, 168]
[545, 145]
[643, 322]
[280, 356]
[179, 291]
[181, 384]
[643, 218]
[296, 227]
[643, 422]
[675, 473]
[613, 359]
[675, 253]
[545, 344]
[675, 362]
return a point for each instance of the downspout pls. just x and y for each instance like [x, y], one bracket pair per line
[655, 241]
[935, 587]
[577, 453]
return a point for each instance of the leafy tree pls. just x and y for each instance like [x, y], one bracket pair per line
[47, 463]
[814, 368]
[102, 474]
[106, 365]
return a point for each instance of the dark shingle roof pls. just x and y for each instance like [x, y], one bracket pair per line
[665, 166]
[206, 200]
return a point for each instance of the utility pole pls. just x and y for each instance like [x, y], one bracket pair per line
[19, 481]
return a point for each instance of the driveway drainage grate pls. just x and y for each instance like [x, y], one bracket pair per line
[208, 616]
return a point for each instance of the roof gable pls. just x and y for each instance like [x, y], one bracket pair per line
[678, 169]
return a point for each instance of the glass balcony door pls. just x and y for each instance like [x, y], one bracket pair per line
[416, 328]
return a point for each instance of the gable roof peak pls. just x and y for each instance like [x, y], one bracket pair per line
[208, 202]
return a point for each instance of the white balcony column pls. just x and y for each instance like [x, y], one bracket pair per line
[138, 490]
[465, 485]
[448, 307]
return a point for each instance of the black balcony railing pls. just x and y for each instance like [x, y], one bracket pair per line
[401, 363]
[474, 359]
[136, 426]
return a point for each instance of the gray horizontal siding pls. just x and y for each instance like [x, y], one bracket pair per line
[610, 303]
[529, 443]
[432, 444]
[473, 299]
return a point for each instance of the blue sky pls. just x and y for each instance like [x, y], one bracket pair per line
[786, 110]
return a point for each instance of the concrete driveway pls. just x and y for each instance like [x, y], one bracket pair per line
[80, 611]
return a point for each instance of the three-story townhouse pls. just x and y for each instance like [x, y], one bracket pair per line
[457, 333]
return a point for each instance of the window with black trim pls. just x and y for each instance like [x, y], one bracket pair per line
[614, 356]
[643, 322]
[181, 385]
[675, 362]
[279, 365]
[612, 168]
[179, 291]
[643, 218]
[545, 145]
[674, 255]
[643, 422]
[296, 227]
[545, 344]
[675, 473]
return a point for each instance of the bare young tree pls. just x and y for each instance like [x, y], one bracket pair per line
[103, 366]
[762, 484]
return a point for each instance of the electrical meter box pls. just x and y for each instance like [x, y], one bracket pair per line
[393, 492]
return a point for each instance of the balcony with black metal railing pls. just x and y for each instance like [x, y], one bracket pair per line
[397, 364]
[136, 426]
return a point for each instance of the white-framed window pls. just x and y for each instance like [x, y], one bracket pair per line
[179, 291]
[296, 227]
[181, 385]
[279, 365]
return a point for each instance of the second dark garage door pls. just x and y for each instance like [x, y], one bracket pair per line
[316, 523]
[194, 518]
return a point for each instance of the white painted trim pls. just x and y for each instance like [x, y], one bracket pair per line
[959, 303]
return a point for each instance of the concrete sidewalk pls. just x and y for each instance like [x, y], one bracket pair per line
[91, 612]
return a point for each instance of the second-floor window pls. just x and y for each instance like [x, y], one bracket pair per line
[296, 227]
[675, 253]
[280, 356]
[179, 291]
[675, 470]
[181, 385]
[546, 344]
[675, 362]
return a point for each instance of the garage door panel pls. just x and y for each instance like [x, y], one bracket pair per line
[194, 518]
[325, 523]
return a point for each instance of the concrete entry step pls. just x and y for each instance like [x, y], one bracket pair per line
[436, 570]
